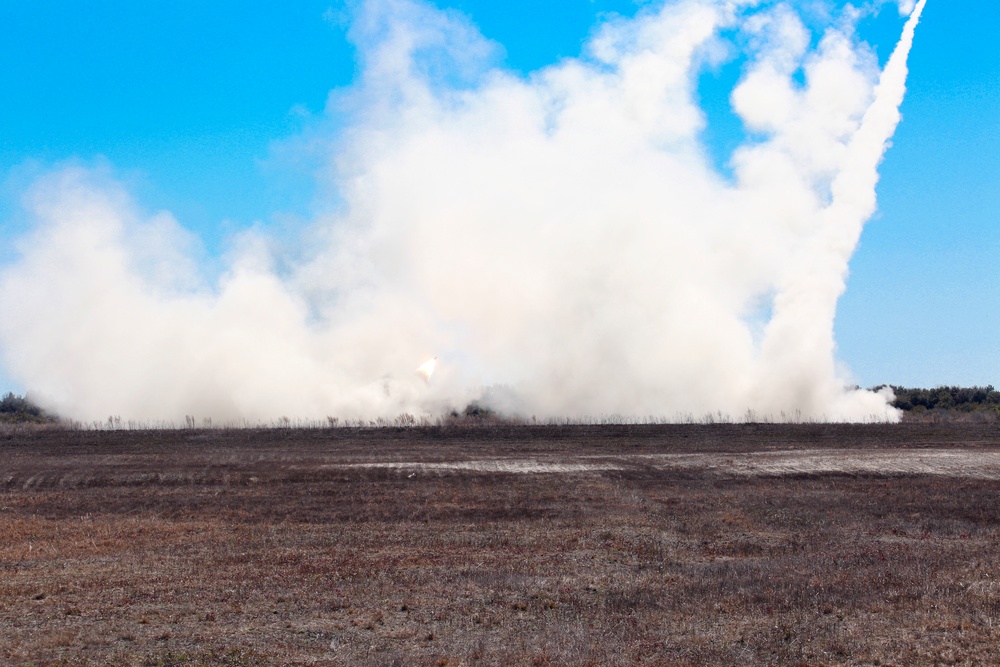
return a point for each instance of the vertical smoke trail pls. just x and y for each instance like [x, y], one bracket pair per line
[562, 234]
[801, 330]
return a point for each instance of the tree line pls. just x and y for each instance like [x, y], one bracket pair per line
[963, 399]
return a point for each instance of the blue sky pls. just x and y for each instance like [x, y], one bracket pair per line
[195, 105]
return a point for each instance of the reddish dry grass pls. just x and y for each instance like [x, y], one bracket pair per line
[258, 548]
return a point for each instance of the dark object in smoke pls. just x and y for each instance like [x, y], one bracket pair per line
[474, 409]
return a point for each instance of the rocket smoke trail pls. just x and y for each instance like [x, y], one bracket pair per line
[564, 234]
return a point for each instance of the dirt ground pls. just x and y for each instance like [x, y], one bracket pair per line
[492, 545]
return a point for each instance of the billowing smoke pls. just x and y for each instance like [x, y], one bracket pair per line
[564, 234]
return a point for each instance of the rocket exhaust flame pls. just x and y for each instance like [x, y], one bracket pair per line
[426, 369]
[561, 234]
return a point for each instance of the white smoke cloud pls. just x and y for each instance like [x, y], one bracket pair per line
[563, 234]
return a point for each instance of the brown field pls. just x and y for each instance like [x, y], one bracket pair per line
[525, 545]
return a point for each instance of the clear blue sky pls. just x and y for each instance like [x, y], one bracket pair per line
[189, 103]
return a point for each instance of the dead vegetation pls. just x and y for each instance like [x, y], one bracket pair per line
[276, 548]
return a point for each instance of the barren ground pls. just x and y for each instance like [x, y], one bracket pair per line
[530, 545]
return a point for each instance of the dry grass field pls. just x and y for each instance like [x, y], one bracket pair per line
[526, 545]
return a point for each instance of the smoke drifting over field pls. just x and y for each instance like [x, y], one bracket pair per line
[565, 235]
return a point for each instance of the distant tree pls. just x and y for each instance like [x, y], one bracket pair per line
[13, 404]
[21, 408]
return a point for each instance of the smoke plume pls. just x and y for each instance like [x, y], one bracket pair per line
[563, 234]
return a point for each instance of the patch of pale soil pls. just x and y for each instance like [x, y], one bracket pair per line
[523, 466]
[944, 462]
